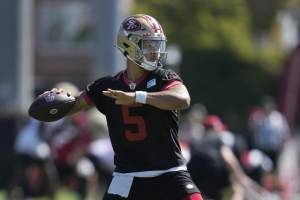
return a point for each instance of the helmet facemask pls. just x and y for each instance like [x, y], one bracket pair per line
[153, 53]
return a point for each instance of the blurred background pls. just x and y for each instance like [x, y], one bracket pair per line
[240, 60]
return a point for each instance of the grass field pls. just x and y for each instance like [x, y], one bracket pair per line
[60, 195]
[2, 195]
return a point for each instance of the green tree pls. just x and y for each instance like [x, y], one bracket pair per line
[223, 65]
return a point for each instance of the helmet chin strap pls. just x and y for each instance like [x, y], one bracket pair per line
[149, 65]
[145, 64]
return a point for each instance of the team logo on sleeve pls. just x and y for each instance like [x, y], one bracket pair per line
[151, 83]
[170, 75]
[132, 25]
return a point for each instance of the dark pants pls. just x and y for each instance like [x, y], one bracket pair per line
[171, 185]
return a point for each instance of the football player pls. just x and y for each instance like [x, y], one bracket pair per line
[141, 104]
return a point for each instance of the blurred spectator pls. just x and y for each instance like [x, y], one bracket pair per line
[29, 142]
[289, 169]
[55, 154]
[268, 129]
[191, 126]
[260, 168]
[100, 150]
[213, 165]
[69, 140]
[234, 141]
[31, 174]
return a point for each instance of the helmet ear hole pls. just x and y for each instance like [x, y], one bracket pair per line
[139, 44]
[126, 45]
[125, 53]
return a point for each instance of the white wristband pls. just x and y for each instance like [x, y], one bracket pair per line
[141, 97]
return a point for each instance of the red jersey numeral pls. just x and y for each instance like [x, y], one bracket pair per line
[139, 121]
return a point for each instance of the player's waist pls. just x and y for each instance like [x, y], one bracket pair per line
[151, 173]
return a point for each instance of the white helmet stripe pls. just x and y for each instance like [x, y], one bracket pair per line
[154, 23]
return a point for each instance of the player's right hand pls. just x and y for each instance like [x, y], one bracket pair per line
[57, 91]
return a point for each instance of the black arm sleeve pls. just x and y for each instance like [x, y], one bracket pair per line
[94, 91]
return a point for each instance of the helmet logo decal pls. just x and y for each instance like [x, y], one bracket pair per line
[132, 25]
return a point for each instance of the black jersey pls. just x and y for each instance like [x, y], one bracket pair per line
[207, 166]
[143, 137]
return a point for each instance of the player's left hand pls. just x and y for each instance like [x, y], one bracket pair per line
[122, 98]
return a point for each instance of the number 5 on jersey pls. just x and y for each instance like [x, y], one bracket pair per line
[137, 120]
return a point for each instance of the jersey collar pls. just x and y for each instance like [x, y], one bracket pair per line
[133, 84]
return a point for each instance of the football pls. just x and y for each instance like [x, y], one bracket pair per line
[51, 106]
